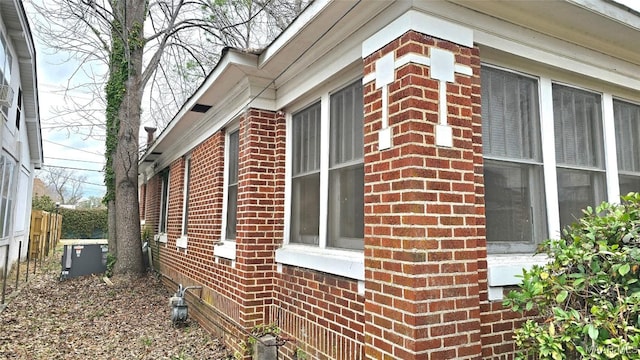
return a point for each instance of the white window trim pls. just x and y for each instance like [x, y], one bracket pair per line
[226, 248]
[346, 263]
[341, 262]
[505, 270]
[182, 242]
[164, 211]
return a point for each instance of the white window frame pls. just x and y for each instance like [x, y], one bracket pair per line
[539, 162]
[182, 241]
[8, 203]
[226, 248]
[164, 210]
[505, 269]
[342, 262]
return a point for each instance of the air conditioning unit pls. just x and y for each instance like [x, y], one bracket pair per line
[6, 95]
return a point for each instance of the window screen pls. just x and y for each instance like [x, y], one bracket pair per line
[305, 184]
[232, 188]
[346, 170]
[164, 202]
[579, 151]
[627, 123]
[513, 173]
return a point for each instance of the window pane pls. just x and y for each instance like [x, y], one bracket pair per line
[513, 176]
[345, 223]
[578, 127]
[510, 115]
[514, 205]
[232, 212]
[232, 189]
[233, 157]
[346, 208]
[185, 209]
[578, 189]
[306, 140]
[305, 209]
[164, 202]
[627, 122]
[629, 184]
[305, 189]
[347, 138]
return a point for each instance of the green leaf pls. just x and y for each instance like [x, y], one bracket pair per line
[562, 296]
[592, 331]
[624, 269]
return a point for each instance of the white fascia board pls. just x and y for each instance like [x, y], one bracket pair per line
[422, 23]
[315, 8]
[613, 11]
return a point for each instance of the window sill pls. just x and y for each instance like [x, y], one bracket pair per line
[505, 270]
[181, 242]
[349, 264]
[225, 249]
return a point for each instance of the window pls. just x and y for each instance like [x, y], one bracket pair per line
[513, 171]
[346, 170]
[579, 149]
[305, 181]
[164, 202]
[19, 109]
[232, 185]
[343, 173]
[185, 201]
[7, 168]
[627, 124]
[6, 60]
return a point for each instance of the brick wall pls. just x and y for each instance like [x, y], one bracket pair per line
[421, 217]
[322, 312]
[260, 210]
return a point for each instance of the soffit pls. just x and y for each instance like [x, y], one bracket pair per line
[594, 24]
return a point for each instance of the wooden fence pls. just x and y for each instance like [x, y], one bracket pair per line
[44, 234]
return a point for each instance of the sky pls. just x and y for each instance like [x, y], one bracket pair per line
[62, 147]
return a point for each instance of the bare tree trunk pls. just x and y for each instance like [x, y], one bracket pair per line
[111, 218]
[125, 160]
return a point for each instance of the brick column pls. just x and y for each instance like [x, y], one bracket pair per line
[260, 210]
[422, 221]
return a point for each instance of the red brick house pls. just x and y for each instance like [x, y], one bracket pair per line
[374, 179]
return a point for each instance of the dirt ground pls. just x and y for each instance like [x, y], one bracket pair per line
[84, 318]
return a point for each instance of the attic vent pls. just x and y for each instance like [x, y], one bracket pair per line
[6, 95]
[201, 108]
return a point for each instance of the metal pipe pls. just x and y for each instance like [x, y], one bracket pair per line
[18, 267]
[4, 278]
[26, 274]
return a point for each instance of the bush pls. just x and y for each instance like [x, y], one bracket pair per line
[587, 297]
[84, 224]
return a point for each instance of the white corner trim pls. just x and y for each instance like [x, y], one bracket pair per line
[349, 264]
[227, 250]
[420, 22]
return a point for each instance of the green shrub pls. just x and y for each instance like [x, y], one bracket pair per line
[587, 297]
[84, 224]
